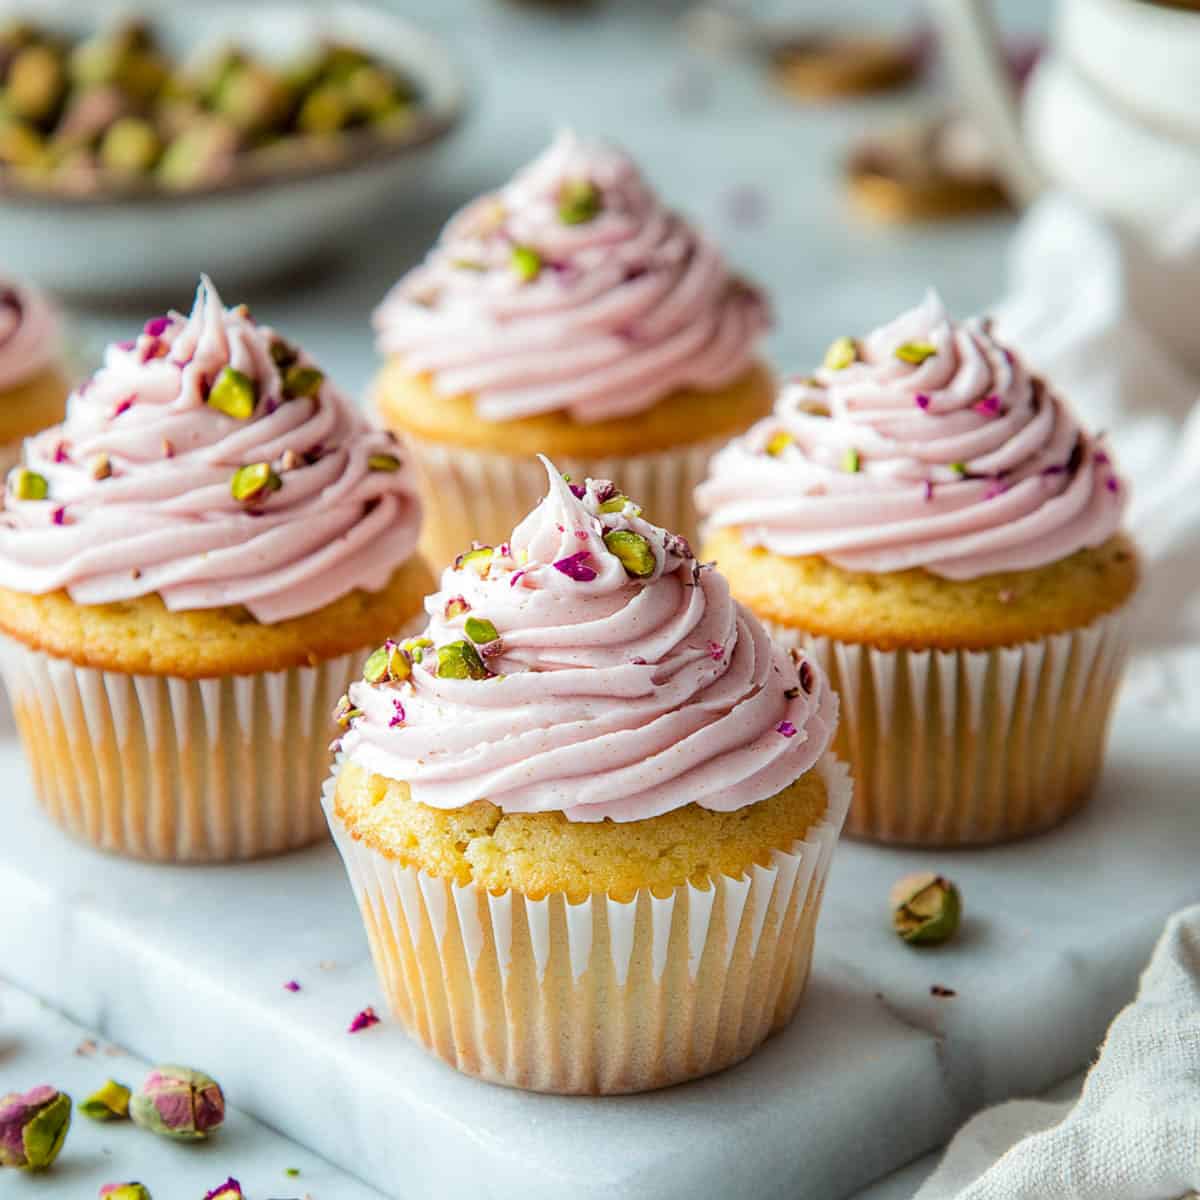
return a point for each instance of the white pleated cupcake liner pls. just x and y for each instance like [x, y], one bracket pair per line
[604, 996]
[951, 748]
[178, 770]
[471, 495]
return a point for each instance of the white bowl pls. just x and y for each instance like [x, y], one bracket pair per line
[238, 231]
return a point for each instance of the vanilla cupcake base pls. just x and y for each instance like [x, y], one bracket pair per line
[10, 456]
[472, 495]
[172, 769]
[600, 997]
[965, 747]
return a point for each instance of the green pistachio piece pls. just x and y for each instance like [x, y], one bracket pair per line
[299, 381]
[254, 97]
[579, 202]
[841, 353]
[325, 110]
[36, 83]
[614, 504]
[29, 485]
[460, 660]
[125, 1191]
[915, 352]
[283, 354]
[477, 560]
[926, 909]
[851, 462]
[371, 92]
[130, 146]
[234, 394]
[633, 550]
[383, 462]
[480, 630]
[109, 1102]
[254, 482]
[779, 442]
[959, 468]
[345, 712]
[201, 153]
[21, 145]
[389, 664]
[526, 262]
[416, 647]
[455, 607]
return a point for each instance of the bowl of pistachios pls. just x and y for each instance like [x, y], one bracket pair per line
[235, 138]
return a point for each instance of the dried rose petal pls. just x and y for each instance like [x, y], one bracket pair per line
[575, 567]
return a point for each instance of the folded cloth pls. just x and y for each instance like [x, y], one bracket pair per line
[1135, 1132]
[1070, 313]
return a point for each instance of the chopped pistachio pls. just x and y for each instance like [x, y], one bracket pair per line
[416, 647]
[959, 468]
[110, 1102]
[633, 550]
[291, 461]
[614, 504]
[254, 482]
[29, 485]
[841, 353]
[131, 145]
[21, 145]
[460, 660]
[477, 560]
[851, 462]
[234, 394]
[389, 664]
[345, 712]
[100, 466]
[300, 381]
[480, 630]
[915, 352]
[926, 909]
[579, 202]
[526, 262]
[370, 91]
[36, 83]
[456, 606]
[468, 264]
[383, 462]
[125, 1191]
[779, 442]
[283, 354]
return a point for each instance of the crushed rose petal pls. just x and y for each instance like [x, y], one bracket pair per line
[716, 651]
[398, 717]
[291, 986]
[575, 567]
[786, 728]
[364, 1020]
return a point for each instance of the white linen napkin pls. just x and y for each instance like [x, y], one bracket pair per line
[1135, 1132]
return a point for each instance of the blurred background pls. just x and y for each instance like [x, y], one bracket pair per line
[756, 153]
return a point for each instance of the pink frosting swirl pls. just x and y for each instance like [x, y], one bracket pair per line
[139, 480]
[611, 314]
[935, 448]
[606, 695]
[29, 333]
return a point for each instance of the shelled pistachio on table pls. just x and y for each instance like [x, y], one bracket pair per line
[115, 110]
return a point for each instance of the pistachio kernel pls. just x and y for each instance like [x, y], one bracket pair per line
[851, 462]
[526, 262]
[579, 202]
[460, 660]
[480, 630]
[254, 482]
[110, 1102]
[926, 909]
[345, 712]
[29, 485]
[125, 1191]
[300, 382]
[383, 462]
[614, 504]
[389, 664]
[633, 550]
[416, 647]
[842, 352]
[960, 469]
[779, 442]
[100, 467]
[456, 606]
[283, 354]
[477, 560]
[915, 352]
[234, 394]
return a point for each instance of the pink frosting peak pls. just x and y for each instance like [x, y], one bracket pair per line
[611, 676]
[29, 333]
[145, 492]
[925, 444]
[572, 289]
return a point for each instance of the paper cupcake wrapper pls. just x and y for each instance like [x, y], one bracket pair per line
[474, 496]
[952, 748]
[604, 996]
[177, 770]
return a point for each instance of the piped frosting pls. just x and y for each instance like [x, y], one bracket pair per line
[149, 484]
[925, 444]
[572, 289]
[590, 666]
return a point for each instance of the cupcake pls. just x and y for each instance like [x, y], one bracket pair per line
[33, 383]
[929, 520]
[588, 814]
[571, 314]
[191, 565]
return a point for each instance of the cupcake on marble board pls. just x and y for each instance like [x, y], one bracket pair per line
[929, 520]
[33, 379]
[569, 313]
[190, 567]
[589, 813]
